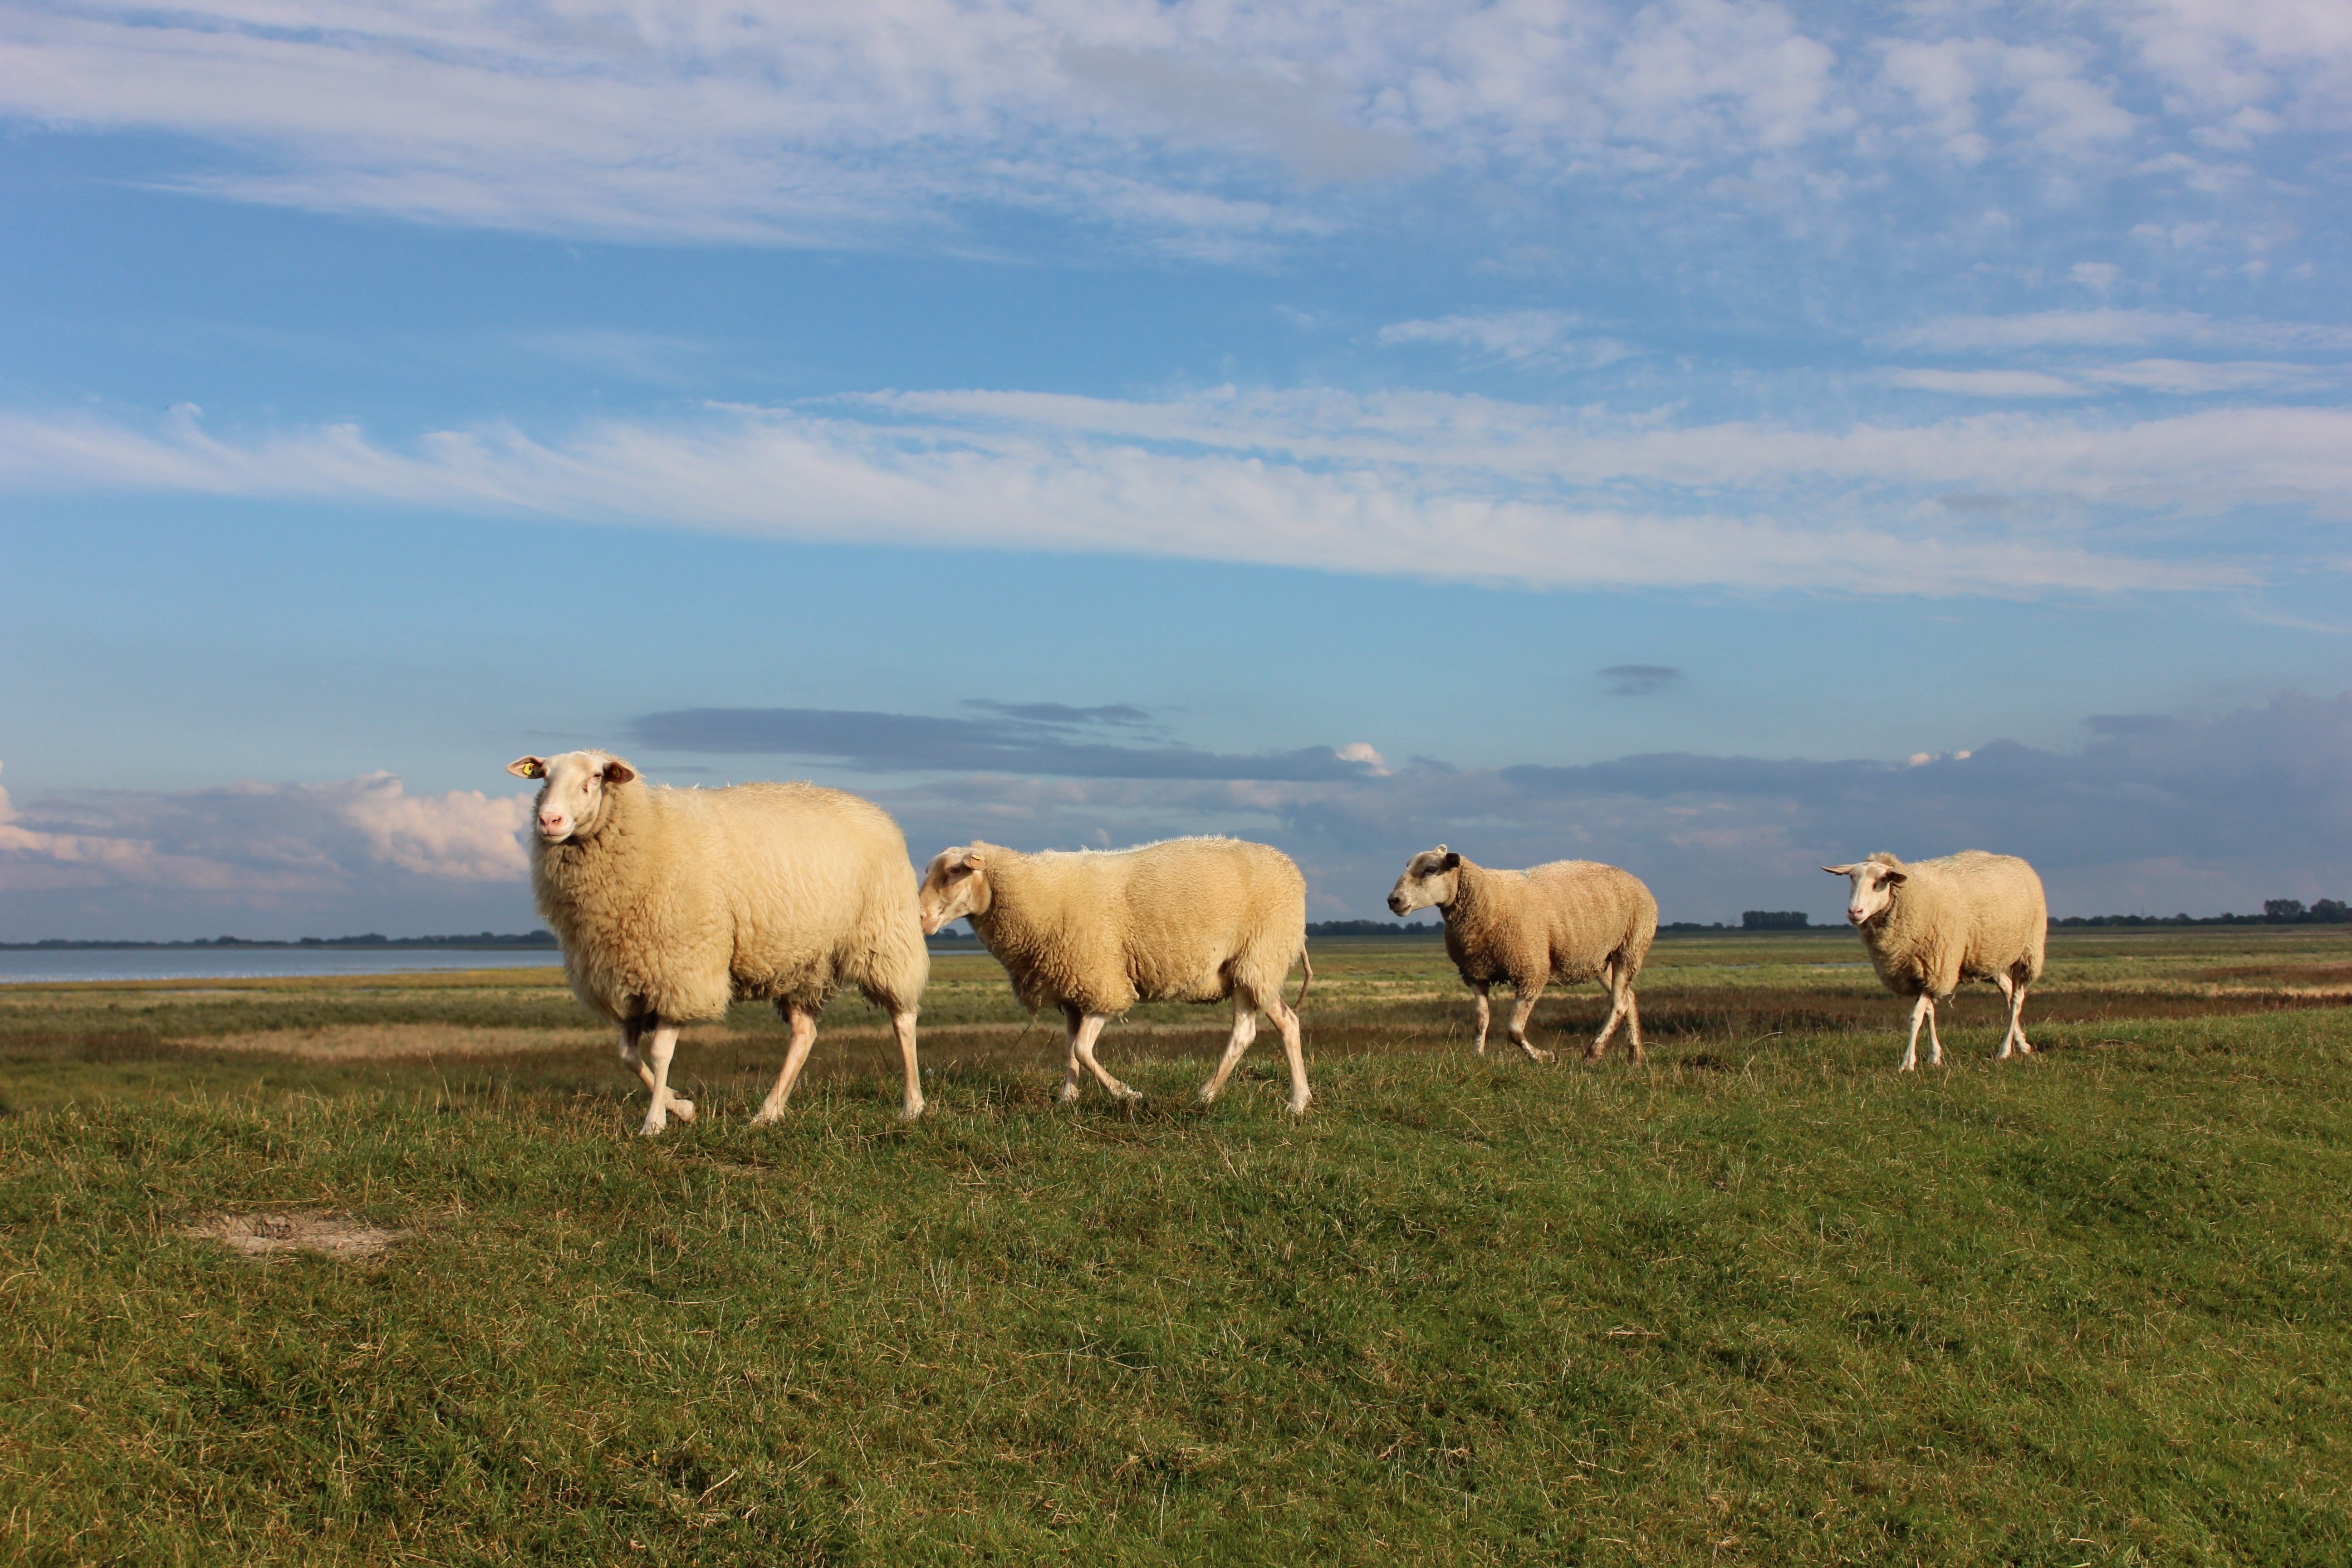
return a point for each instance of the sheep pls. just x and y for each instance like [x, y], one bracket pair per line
[1931, 925]
[1567, 921]
[1094, 931]
[670, 903]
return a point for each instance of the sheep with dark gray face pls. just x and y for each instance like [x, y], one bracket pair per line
[1567, 921]
[1932, 924]
[671, 903]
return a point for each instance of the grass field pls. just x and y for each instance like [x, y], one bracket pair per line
[1762, 1301]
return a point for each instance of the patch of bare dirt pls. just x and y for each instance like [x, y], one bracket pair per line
[339, 1236]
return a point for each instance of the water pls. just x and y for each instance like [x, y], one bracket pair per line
[19, 966]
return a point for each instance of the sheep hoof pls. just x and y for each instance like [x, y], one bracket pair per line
[2024, 1049]
[682, 1108]
[769, 1115]
[652, 1129]
[1299, 1107]
[1547, 1058]
[1208, 1096]
[911, 1111]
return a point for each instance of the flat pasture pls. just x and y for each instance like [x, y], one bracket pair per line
[373, 1271]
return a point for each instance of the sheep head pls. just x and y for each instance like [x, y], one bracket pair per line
[954, 884]
[1432, 877]
[1873, 883]
[571, 791]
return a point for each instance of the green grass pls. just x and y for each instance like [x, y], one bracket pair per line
[1764, 1301]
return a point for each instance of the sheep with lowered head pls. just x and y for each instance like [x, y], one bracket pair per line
[1932, 924]
[1094, 931]
[1567, 921]
[671, 903]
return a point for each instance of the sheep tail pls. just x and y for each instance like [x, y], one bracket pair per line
[1305, 979]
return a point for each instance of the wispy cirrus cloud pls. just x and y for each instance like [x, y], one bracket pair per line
[1533, 339]
[1417, 485]
[1212, 130]
[1058, 742]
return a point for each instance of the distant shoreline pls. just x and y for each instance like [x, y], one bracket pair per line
[486, 942]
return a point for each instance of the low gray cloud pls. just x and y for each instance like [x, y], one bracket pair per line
[1037, 739]
[1640, 680]
[2152, 814]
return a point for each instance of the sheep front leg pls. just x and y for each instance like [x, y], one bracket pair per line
[1934, 1046]
[1484, 1013]
[1528, 994]
[796, 1054]
[659, 1051]
[1921, 1011]
[1089, 1031]
[1244, 1031]
[903, 1025]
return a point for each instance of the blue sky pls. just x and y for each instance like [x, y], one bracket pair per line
[1710, 437]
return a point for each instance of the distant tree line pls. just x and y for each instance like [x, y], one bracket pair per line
[1373, 928]
[2276, 912]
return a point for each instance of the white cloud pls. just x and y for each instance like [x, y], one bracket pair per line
[1986, 382]
[2194, 377]
[2111, 328]
[262, 842]
[1408, 484]
[1199, 127]
[1513, 337]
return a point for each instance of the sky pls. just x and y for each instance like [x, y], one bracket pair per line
[1716, 438]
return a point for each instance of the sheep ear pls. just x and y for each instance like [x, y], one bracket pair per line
[618, 771]
[1452, 861]
[973, 861]
[528, 768]
[1839, 870]
[1891, 877]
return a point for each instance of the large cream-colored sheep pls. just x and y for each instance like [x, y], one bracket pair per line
[1094, 931]
[1567, 921]
[1933, 923]
[671, 903]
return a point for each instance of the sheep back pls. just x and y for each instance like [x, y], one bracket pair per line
[1191, 920]
[685, 900]
[1968, 916]
[1560, 921]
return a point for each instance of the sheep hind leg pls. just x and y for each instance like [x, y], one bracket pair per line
[1522, 1009]
[1295, 1049]
[2017, 1018]
[1084, 1044]
[655, 1072]
[1072, 1020]
[1244, 1031]
[2007, 994]
[902, 1024]
[796, 1055]
[1618, 993]
[1934, 1043]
